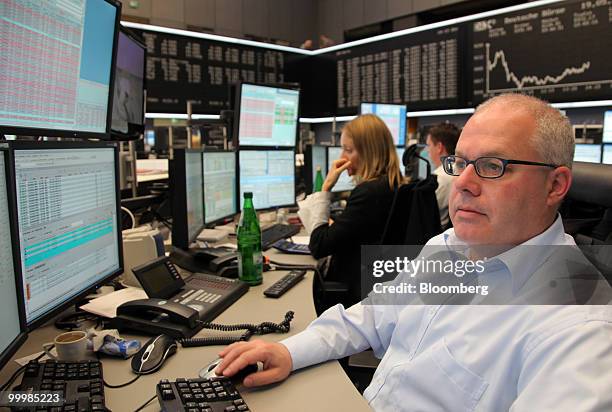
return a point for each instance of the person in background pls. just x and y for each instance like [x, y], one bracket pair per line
[369, 156]
[441, 141]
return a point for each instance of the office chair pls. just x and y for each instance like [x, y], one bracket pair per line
[587, 213]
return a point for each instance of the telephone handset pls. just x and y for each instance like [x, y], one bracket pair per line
[152, 308]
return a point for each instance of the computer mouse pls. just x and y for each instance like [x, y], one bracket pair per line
[208, 371]
[153, 354]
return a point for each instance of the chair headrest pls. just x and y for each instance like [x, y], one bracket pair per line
[592, 183]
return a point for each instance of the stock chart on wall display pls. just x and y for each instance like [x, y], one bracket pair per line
[345, 182]
[67, 217]
[56, 64]
[9, 315]
[270, 175]
[195, 193]
[421, 69]
[559, 52]
[393, 115]
[268, 116]
[607, 127]
[590, 153]
[219, 185]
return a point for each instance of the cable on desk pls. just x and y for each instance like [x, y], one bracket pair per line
[19, 370]
[144, 405]
[122, 385]
[250, 330]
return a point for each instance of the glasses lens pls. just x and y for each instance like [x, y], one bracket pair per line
[454, 165]
[489, 167]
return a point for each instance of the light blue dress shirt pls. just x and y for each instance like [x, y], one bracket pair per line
[466, 358]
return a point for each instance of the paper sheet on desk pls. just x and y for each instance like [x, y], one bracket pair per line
[26, 359]
[107, 305]
[301, 240]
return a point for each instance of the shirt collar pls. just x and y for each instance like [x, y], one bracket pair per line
[514, 260]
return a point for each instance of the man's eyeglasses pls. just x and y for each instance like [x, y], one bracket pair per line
[487, 167]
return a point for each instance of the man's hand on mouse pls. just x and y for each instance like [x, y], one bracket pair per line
[275, 357]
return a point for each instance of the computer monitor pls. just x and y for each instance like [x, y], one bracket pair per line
[314, 156]
[150, 138]
[607, 154]
[220, 186]
[11, 317]
[345, 182]
[57, 75]
[187, 196]
[590, 153]
[128, 98]
[400, 154]
[270, 175]
[394, 116]
[607, 127]
[68, 218]
[267, 116]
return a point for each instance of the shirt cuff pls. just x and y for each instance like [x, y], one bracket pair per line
[303, 349]
[314, 210]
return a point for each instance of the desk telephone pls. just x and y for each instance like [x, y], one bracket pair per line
[219, 261]
[177, 307]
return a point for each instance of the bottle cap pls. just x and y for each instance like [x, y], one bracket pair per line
[318, 168]
[248, 195]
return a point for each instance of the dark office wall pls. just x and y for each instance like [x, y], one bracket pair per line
[290, 21]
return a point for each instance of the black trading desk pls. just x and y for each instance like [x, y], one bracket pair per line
[323, 388]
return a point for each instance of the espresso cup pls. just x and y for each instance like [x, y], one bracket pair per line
[70, 346]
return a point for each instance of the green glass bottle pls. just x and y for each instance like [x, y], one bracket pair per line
[248, 233]
[318, 186]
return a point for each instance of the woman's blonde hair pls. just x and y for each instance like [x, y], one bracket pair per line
[374, 144]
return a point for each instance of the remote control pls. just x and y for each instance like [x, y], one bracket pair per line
[285, 283]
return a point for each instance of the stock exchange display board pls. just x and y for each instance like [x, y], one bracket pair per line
[559, 52]
[421, 70]
[181, 68]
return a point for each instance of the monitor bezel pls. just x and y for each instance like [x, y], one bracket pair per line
[239, 192]
[180, 226]
[399, 144]
[236, 126]
[222, 219]
[30, 145]
[138, 130]
[12, 348]
[327, 159]
[35, 131]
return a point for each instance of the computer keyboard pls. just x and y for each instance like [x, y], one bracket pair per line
[277, 232]
[286, 246]
[200, 394]
[80, 382]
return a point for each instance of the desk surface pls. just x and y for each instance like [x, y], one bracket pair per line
[323, 388]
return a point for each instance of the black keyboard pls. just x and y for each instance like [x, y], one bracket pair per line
[201, 395]
[277, 232]
[80, 383]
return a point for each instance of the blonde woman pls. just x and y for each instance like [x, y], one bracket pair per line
[370, 158]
